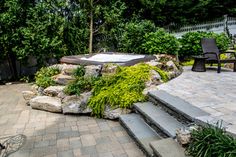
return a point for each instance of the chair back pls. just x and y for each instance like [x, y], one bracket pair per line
[209, 45]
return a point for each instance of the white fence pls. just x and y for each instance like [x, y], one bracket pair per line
[226, 24]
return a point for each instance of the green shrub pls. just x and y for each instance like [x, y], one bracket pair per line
[191, 43]
[132, 37]
[121, 89]
[79, 72]
[81, 84]
[160, 42]
[211, 141]
[43, 76]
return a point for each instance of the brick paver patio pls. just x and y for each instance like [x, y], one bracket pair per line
[56, 135]
[214, 93]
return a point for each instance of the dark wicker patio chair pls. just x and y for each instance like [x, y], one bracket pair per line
[211, 51]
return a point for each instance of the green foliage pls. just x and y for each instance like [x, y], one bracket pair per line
[191, 42]
[81, 84]
[121, 89]
[79, 72]
[43, 76]
[160, 42]
[211, 141]
[188, 62]
[132, 37]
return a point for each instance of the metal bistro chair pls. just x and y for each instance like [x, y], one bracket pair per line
[211, 51]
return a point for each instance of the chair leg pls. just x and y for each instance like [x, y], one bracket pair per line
[234, 66]
[219, 68]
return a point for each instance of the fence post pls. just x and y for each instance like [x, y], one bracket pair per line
[226, 29]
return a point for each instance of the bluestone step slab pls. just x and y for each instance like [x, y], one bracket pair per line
[167, 148]
[158, 117]
[177, 104]
[142, 133]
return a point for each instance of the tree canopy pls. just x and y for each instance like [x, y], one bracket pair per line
[53, 28]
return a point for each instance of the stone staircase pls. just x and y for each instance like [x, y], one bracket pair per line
[154, 123]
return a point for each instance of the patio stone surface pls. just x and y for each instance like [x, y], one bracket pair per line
[57, 135]
[213, 92]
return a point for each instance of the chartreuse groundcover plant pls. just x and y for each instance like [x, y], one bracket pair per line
[211, 141]
[121, 89]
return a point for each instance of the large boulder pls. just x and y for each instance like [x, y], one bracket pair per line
[62, 79]
[93, 70]
[51, 104]
[34, 88]
[53, 90]
[154, 63]
[109, 69]
[113, 114]
[28, 95]
[155, 79]
[69, 69]
[77, 104]
[65, 67]
[165, 57]
[171, 66]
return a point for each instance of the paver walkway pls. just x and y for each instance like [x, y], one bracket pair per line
[214, 93]
[56, 135]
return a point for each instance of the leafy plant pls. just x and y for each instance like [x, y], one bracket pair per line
[81, 84]
[132, 37]
[43, 76]
[79, 72]
[160, 42]
[121, 89]
[191, 43]
[209, 141]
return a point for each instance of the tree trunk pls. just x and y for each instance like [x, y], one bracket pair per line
[91, 30]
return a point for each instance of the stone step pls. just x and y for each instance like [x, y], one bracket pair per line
[140, 131]
[176, 105]
[156, 116]
[167, 148]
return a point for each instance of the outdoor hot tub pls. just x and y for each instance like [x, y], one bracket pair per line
[124, 59]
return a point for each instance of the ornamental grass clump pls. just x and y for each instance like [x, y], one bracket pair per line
[210, 141]
[121, 89]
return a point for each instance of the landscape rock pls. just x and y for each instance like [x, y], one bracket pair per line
[53, 90]
[27, 95]
[150, 88]
[77, 104]
[93, 70]
[63, 79]
[171, 66]
[183, 136]
[34, 88]
[59, 66]
[51, 104]
[69, 69]
[61, 95]
[114, 113]
[109, 69]
[153, 63]
[155, 79]
[40, 91]
[165, 57]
